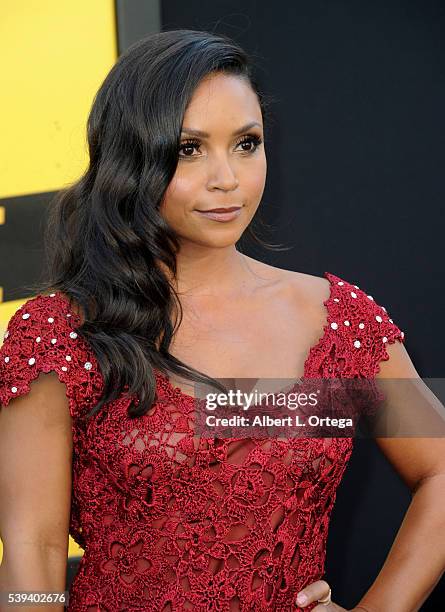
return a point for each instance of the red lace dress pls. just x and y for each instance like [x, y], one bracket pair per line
[168, 524]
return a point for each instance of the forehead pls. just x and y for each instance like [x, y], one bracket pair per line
[222, 100]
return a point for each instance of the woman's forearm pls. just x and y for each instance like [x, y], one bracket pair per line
[416, 560]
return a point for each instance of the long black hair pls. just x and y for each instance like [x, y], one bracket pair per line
[104, 236]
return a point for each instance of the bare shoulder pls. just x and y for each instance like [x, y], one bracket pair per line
[306, 295]
[306, 289]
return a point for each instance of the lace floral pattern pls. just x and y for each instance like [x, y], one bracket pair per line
[169, 522]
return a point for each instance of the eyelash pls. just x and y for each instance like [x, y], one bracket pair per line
[256, 140]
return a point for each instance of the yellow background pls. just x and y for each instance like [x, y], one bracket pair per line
[56, 54]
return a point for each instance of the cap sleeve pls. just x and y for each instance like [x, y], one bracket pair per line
[41, 337]
[366, 325]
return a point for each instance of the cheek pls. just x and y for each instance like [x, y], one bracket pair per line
[179, 198]
[253, 180]
[257, 183]
[184, 185]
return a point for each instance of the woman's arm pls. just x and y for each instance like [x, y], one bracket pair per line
[416, 560]
[35, 490]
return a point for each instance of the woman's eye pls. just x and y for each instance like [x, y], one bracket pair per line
[190, 145]
[252, 139]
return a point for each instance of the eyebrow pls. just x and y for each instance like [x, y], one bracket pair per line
[201, 134]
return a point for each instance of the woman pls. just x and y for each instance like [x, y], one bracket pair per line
[169, 521]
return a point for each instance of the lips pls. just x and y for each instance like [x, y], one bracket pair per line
[222, 210]
[226, 214]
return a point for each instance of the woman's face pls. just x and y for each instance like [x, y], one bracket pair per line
[225, 168]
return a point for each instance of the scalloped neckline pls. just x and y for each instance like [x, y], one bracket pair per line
[178, 392]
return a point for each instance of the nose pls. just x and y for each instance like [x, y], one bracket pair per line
[222, 176]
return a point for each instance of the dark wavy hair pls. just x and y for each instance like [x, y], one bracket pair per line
[104, 236]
